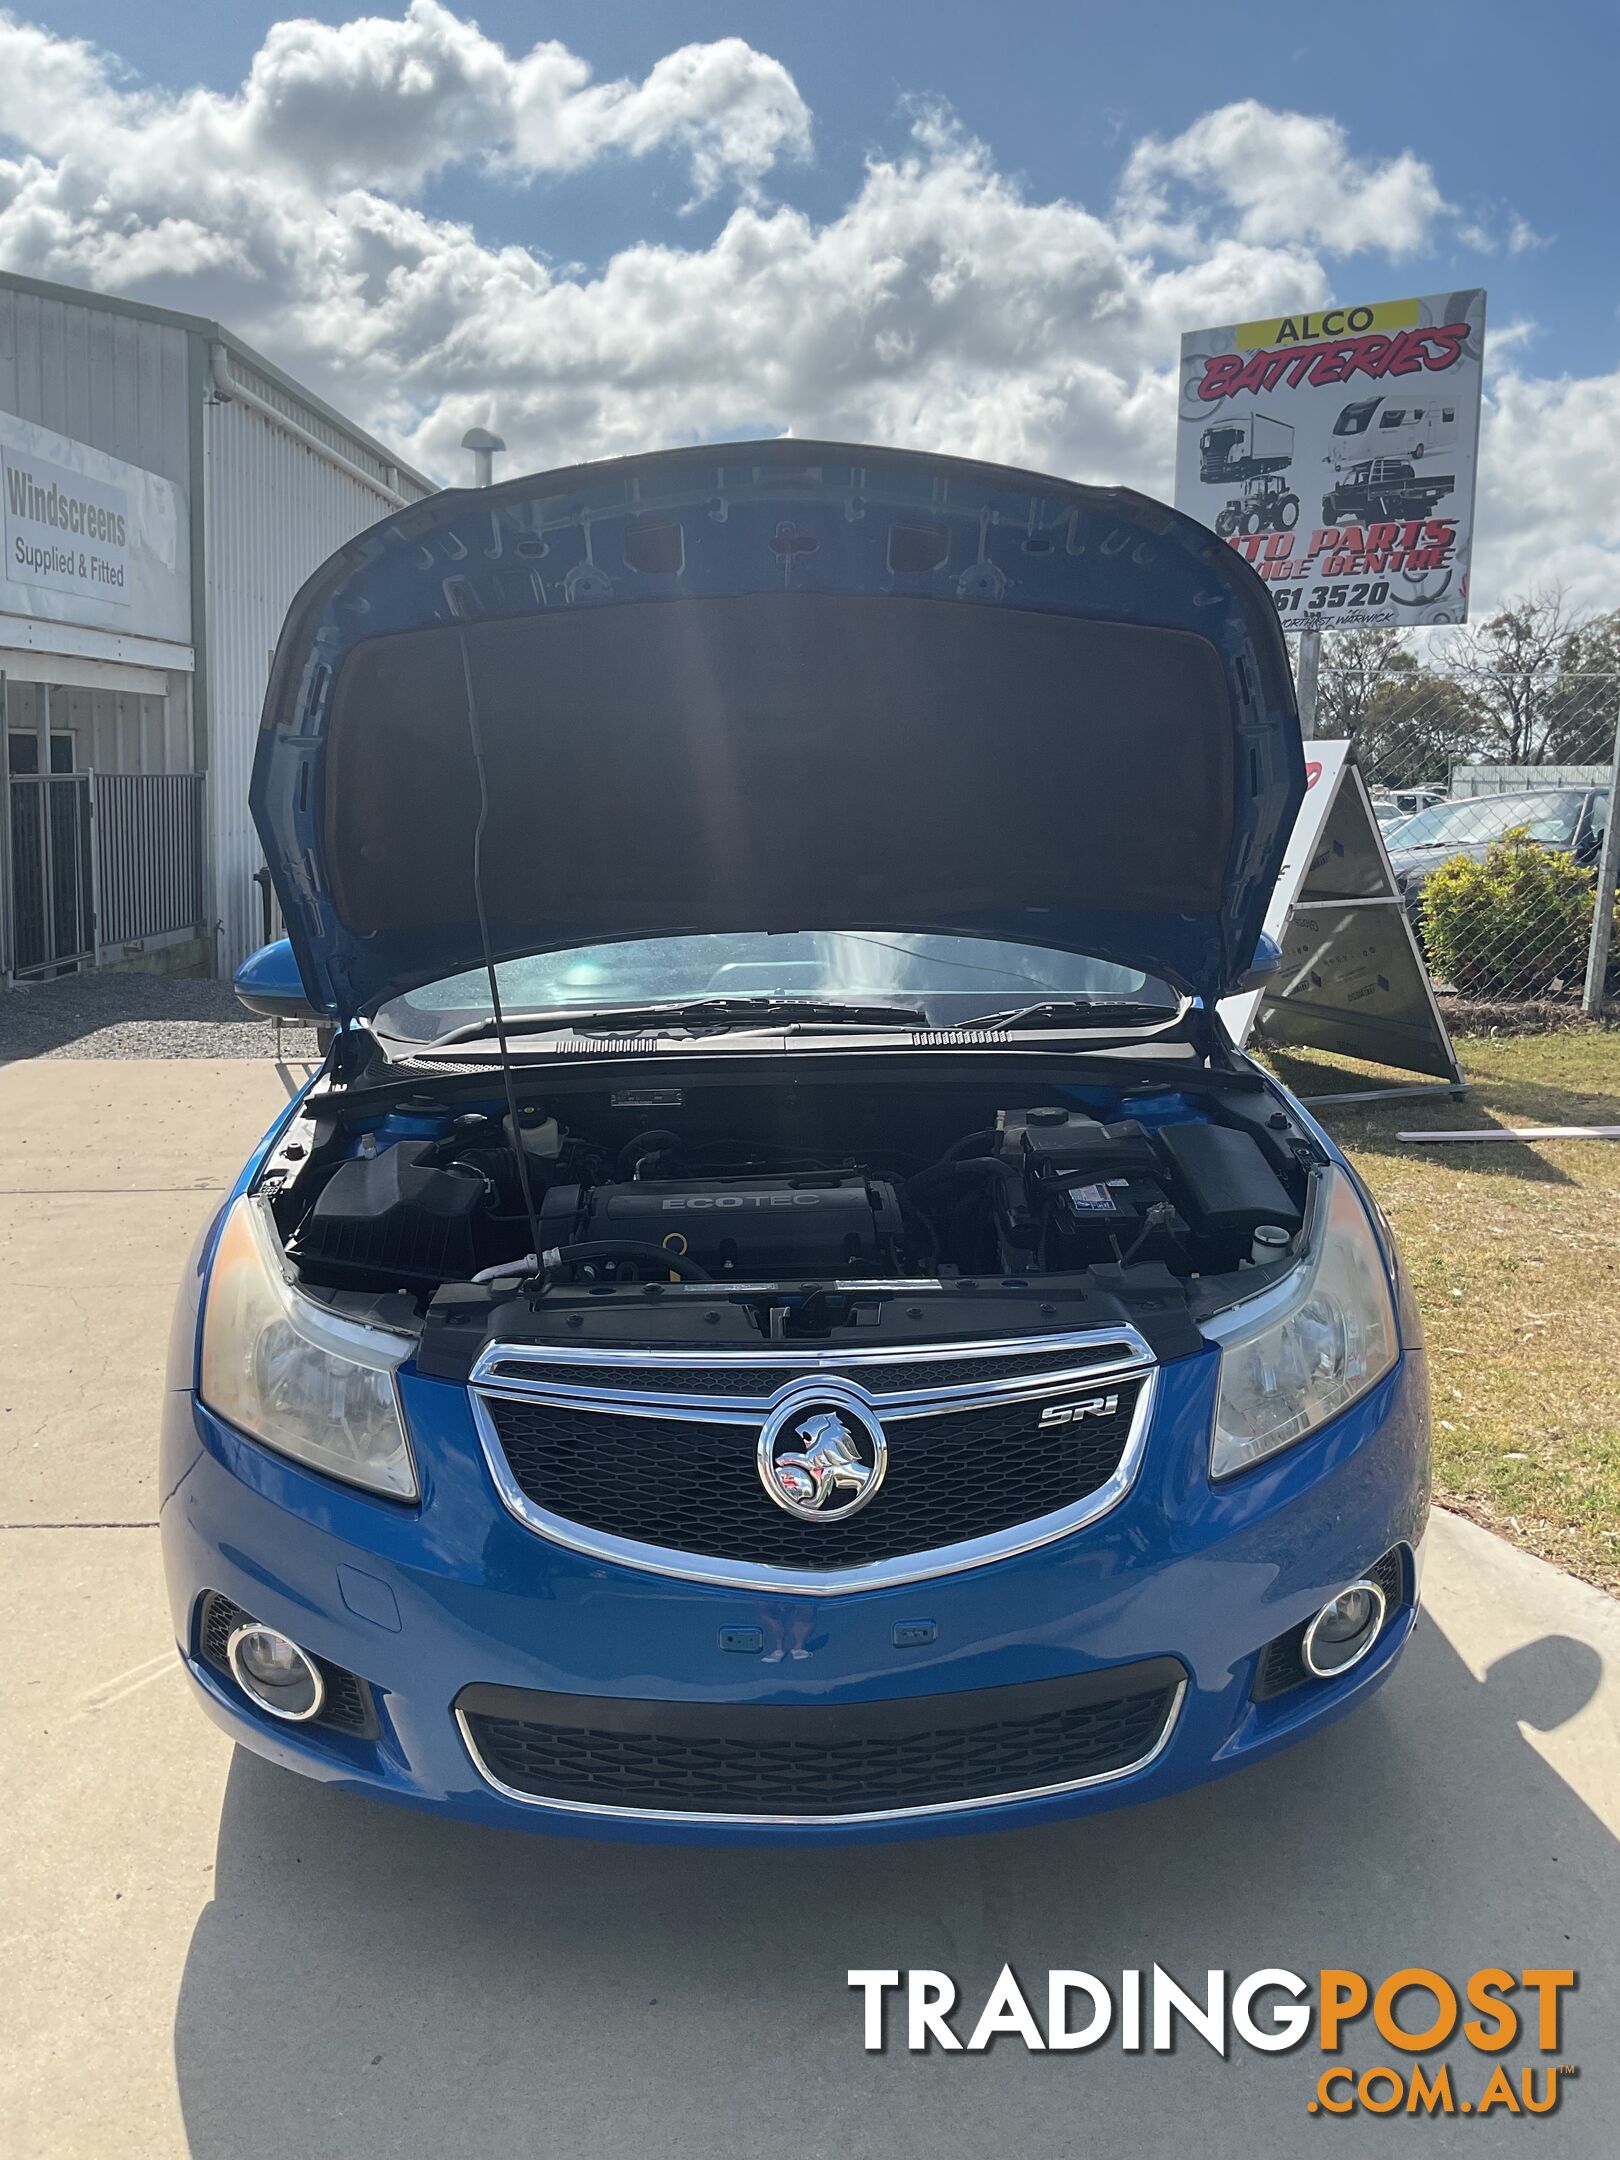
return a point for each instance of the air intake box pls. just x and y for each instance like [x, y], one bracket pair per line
[1223, 1184]
[397, 1211]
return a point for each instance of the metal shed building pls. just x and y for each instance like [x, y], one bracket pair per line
[164, 492]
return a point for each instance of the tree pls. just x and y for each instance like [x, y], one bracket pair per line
[1415, 729]
[1534, 684]
[1408, 723]
[1509, 666]
[1583, 700]
[1356, 665]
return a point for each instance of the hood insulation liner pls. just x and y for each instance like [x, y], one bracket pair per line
[780, 761]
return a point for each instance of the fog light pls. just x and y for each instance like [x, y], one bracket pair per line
[278, 1676]
[1344, 1630]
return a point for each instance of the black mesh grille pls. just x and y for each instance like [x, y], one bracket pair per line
[1282, 1662]
[904, 1375]
[346, 1704]
[728, 1759]
[694, 1487]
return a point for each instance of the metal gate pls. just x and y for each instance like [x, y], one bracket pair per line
[53, 872]
[149, 854]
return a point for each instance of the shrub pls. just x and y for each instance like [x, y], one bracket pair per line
[1514, 925]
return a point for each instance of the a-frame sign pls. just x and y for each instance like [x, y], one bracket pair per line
[1352, 979]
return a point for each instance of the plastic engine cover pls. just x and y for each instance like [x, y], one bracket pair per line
[749, 1227]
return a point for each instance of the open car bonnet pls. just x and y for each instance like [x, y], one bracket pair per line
[777, 686]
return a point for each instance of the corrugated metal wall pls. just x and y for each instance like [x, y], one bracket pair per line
[275, 510]
[115, 381]
[121, 731]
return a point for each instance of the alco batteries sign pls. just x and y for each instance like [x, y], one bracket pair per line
[1336, 451]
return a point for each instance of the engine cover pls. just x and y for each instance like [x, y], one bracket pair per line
[752, 1227]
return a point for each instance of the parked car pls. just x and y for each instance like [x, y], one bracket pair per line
[1571, 820]
[784, 1316]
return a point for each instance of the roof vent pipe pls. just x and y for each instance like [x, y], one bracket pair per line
[483, 446]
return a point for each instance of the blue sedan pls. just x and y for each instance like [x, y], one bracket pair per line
[784, 1317]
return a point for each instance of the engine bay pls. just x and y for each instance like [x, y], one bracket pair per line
[808, 1190]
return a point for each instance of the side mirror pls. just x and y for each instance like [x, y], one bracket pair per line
[268, 982]
[1267, 960]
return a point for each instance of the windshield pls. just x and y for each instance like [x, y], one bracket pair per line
[952, 979]
[1547, 814]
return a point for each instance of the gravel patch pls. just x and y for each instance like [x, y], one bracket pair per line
[115, 1014]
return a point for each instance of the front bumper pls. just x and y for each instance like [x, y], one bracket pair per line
[425, 1603]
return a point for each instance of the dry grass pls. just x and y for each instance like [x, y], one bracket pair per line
[1514, 1250]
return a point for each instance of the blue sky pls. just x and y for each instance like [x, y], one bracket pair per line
[1514, 121]
[938, 222]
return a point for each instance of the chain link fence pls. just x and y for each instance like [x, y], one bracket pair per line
[1490, 760]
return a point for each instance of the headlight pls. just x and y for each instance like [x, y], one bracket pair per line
[287, 1372]
[1304, 1351]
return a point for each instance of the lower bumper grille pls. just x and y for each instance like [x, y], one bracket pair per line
[820, 1761]
[346, 1704]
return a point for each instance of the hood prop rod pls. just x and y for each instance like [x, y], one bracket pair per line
[536, 1248]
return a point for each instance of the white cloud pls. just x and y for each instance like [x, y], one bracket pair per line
[1522, 236]
[1279, 177]
[942, 306]
[386, 103]
[1506, 343]
[1504, 229]
[1549, 509]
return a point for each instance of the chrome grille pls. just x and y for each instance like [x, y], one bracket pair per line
[654, 1464]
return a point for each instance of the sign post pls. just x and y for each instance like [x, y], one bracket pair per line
[1307, 661]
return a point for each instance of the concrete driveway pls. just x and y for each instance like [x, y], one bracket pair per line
[204, 1955]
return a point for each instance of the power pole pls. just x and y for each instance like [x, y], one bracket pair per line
[1608, 873]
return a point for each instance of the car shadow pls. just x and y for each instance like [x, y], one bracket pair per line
[372, 1982]
[1373, 1128]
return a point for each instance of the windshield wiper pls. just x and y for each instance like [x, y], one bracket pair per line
[720, 1013]
[709, 1014]
[1064, 1012]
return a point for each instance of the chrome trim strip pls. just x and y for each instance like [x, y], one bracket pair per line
[875, 1575]
[677, 1409]
[808, 1360]
[750, 1409]
[812, 1822]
